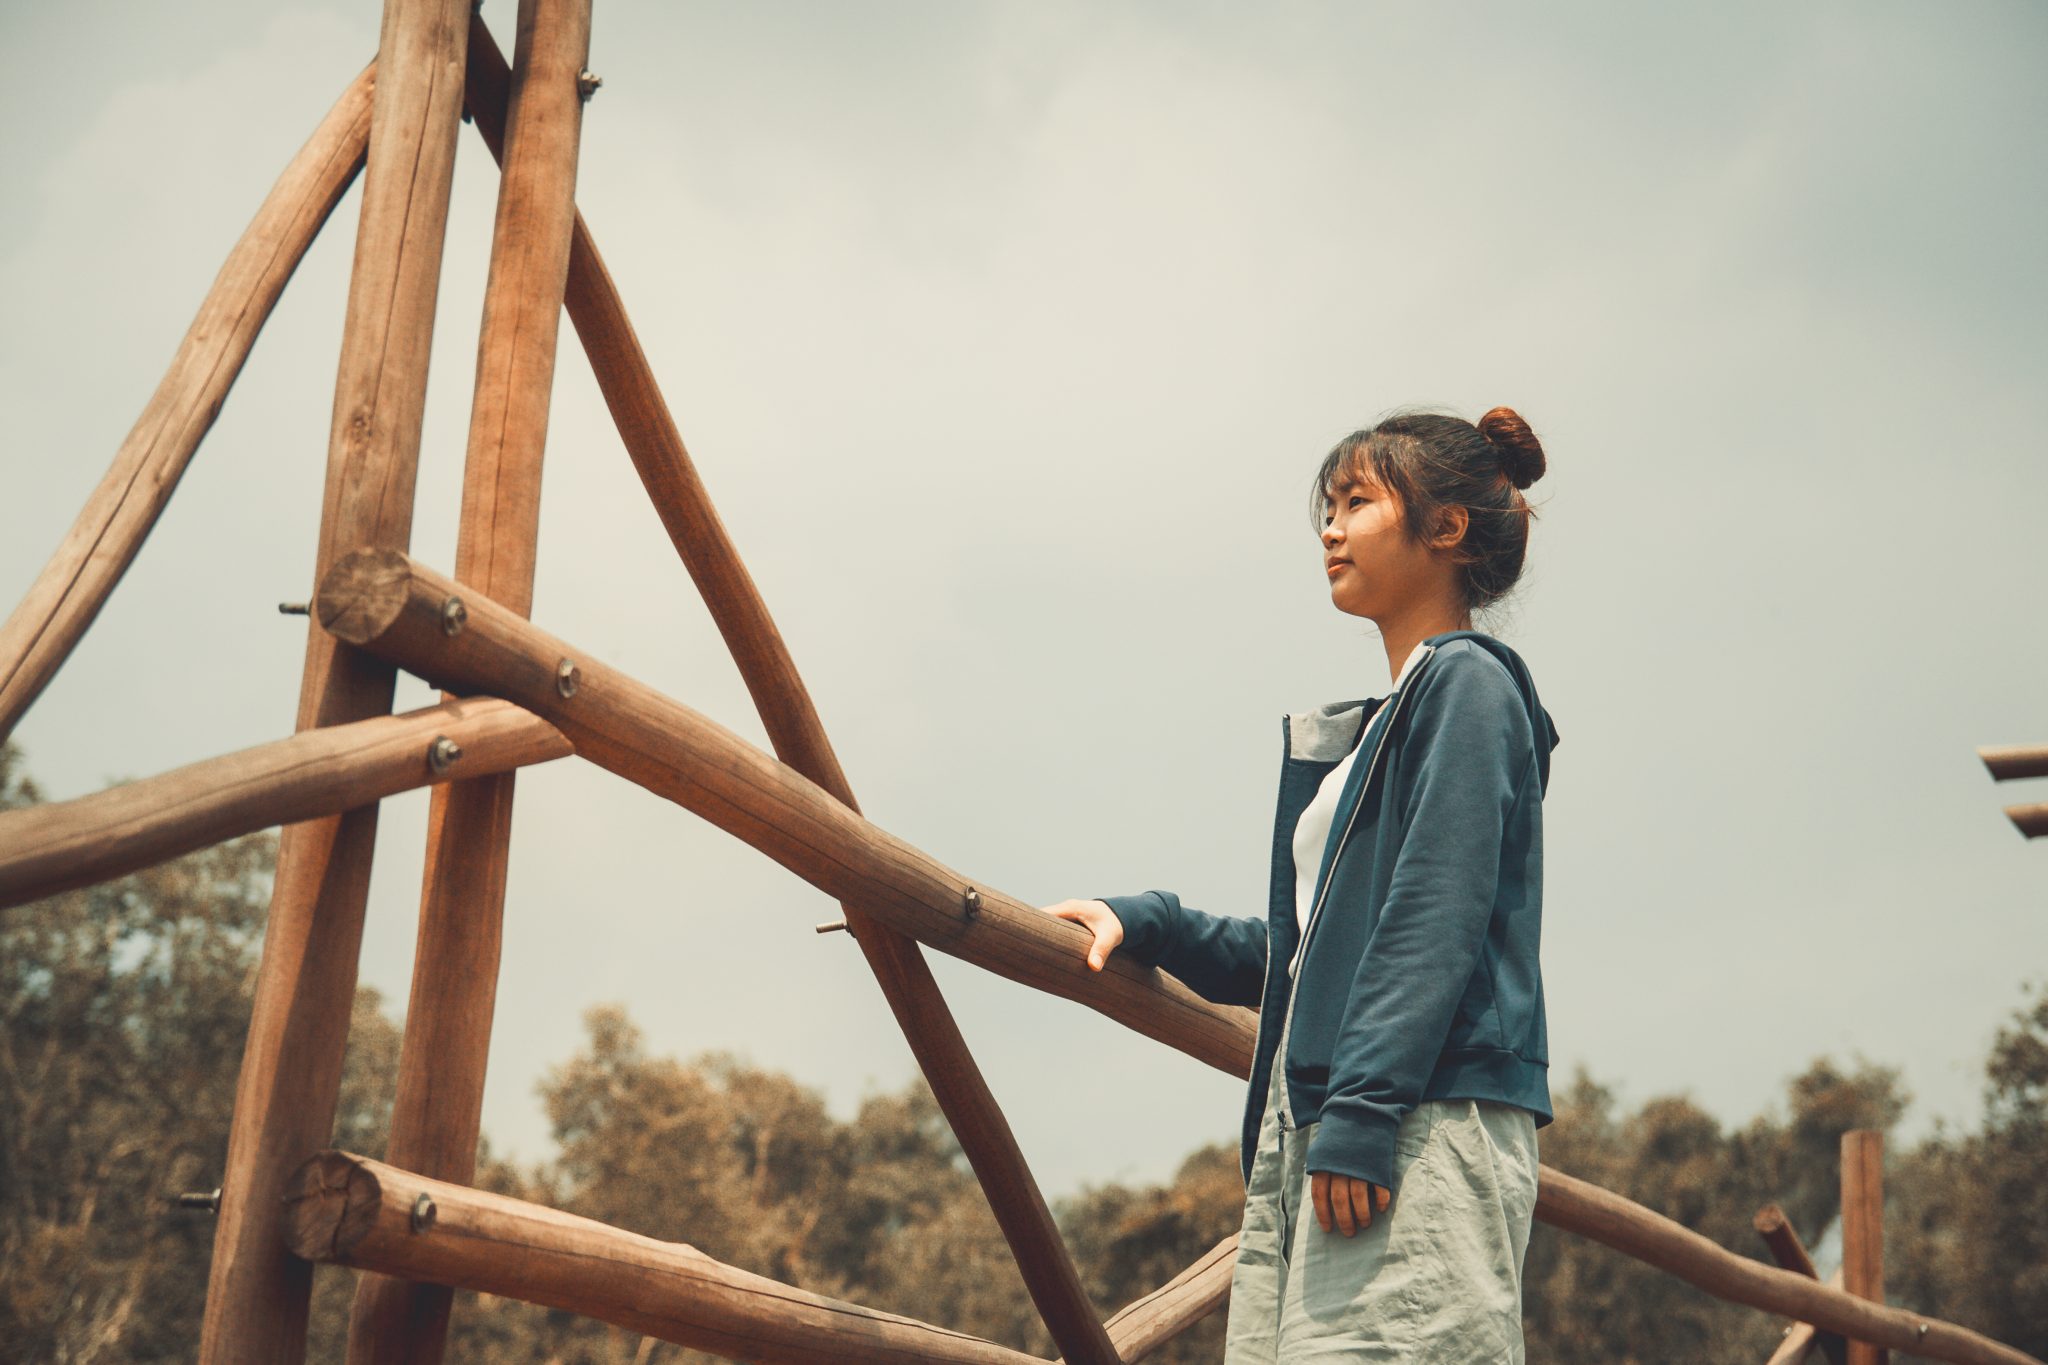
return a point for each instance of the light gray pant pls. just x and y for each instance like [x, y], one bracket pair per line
[1438, 1275]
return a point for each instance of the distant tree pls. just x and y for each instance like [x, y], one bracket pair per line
[123, 1009]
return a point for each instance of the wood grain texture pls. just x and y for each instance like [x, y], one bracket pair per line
[798, 737]
[439, 1106]
[257, 1293]
[1863, 1228]
[677, 752]
[64, 844]
[1146, 1325]
[1788, 1251]
[110, 529]
[350, 1210]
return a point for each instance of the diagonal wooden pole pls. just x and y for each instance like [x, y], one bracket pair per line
[799, 739]
[257, 1293]
[439, 1106]
[136, 488]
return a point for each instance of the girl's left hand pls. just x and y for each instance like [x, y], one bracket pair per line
[1346, 1200]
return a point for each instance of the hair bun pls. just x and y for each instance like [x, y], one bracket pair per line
[1521, 454]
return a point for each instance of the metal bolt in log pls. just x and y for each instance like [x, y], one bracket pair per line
[453, 614]
[442, 753]
[207, 1201]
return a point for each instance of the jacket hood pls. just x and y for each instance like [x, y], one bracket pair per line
[1539, 719]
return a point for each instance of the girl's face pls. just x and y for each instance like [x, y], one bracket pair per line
[1374, 569]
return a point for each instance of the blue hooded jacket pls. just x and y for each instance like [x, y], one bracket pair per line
[1420, 980]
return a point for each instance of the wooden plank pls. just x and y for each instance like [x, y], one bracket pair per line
[352, 1211]
[798, 737]
[54, 847]
[1144, 1326]
[383, 602]
[1863, 1229]
[439, 1106]
[257, 1293]
[110, 529]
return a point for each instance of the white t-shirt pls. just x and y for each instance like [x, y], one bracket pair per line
[1312, 830]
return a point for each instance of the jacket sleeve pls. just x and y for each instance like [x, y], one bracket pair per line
[1221, 958]
[1465, 756]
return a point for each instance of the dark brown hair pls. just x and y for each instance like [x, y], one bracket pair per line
[1433, 461]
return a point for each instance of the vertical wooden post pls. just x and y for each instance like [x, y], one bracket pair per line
[257, 1294]
[1863, 1228]
[441, 1068]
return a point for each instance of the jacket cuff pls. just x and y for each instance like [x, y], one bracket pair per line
[1360, 1146]
[1148, 927]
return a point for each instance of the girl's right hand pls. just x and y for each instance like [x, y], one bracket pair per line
[1098, 919]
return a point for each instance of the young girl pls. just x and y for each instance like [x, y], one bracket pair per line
[1395, 971]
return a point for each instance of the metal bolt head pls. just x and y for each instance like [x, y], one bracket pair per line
[566, 678]
[587, 84]
[295, 608]
[442, 753]
[972, 902]
[453, 615]
[423, 1212]
[208, 1200]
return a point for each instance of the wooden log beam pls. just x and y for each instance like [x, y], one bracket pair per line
[1578, 1206]
[352, 1211]
[1862, 1165]
[380, 601]
[798, 737]
[2030, 820]
[2008, 761]
[103, 541]
[1144, 1326]
[1779, 1235]
[438, 1111]
[60, 845]
[1802, 1337]
[257, 1293]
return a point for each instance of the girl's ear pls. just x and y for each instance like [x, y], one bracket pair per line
[1451, 527]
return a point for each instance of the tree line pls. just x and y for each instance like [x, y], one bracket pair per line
[122, 1013]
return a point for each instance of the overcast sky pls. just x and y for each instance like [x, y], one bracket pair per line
[1007, 338]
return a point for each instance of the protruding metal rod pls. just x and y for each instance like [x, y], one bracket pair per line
[204, 1201]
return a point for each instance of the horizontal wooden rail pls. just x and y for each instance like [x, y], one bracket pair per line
[2008, 761]
[102, 542]
[55, 847]
[1144, 1326]
[381, 602]
[1579, 1206]
[2030, 820]
[352, 1211]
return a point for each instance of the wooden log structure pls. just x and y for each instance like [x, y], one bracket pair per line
[1779, 1235]
[2009, 761]
[1862, 1160]
[382, 602]
[1581, 1207]
[349, 1210]
[110, 529]
[45, 849]
[1144, 1326]
[438, 1111]
[798, 738]
[257, 1293]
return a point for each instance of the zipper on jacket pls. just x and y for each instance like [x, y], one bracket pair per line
[1316, 910]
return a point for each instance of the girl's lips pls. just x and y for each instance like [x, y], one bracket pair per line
[1335, 568]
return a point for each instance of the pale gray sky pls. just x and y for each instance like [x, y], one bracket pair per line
[1007, 338]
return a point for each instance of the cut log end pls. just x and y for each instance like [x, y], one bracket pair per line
[330, 1206]
[363, 594]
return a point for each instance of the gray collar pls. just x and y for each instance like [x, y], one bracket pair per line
[1327, 733]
